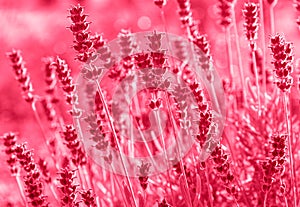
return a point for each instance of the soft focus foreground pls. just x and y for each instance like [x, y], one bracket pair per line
[73, 110]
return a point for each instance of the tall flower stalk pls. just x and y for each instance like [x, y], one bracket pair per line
[251, 29]
[86, 47]
[283, 57]
[226, 9]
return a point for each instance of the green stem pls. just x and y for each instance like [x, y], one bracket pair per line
[116, 181]
[256, 82]
[39, 122]
[240, 61]
[116, 139]
[21, 190]
[229, 52]
[52, 189]
[165, 152]
[272, 19]
[210, 198]
[82, 178]
[178, 149]
[265, 199]
[263, 39]
[290, 143]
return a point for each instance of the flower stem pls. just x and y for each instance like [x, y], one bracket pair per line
[290, 143]
[116, 139]
[178, 148]
[19, 182]
[210, 197]
[265, 199]
[52, 189]
[263, 42]
[81, 178]
[256, 82]
[239, 54]
[39, 122]
[165, 152]
[229, 52]
[272, 20]
[116, 182]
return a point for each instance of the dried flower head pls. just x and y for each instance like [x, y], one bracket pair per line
[33, 182]
[283, 58]
[272, 2]
[251, 24]
[164, 203]
[89, 198]
[126, 42]
[274, 166]
[68, 187]
[185, 12]
[224, 172]
[79, 27]
[297, 7]
[10, 140]
[50, 78]
[21, 74]
[43, 165]
[74, 144]
[64, 76]
[160, 3]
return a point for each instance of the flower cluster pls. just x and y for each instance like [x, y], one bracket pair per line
[204, 113]
[64, 76]
[164, 203]
[160, 3]
[185, 12]
[98, 132]
[274, 166]
[203, 48]
[283, 58]
[142, 60]
[222, 166]
[225, 11]
[83, 43]
[10, 140]
[105, 135]
[43, 165]
[126, 42]
[74, 144]
[127, 46]
[297, 7]
[49, 111]
[68, 187]
[22, 75]
[144, 171]
[251, 24]
[50, 79]
[33, 182]
[88, 197]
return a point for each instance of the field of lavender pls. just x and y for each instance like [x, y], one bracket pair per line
[167, 103]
